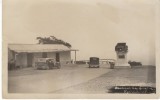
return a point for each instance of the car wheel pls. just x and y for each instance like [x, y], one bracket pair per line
[58, 67]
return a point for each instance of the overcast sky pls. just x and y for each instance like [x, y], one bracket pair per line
[92, 26]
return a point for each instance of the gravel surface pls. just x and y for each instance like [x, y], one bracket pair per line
[72, 79]
[29, 80]
[140, 76]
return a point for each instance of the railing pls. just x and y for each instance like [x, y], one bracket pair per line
[102, 61]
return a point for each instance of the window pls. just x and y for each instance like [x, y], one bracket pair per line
[44, 55]
[121, 56]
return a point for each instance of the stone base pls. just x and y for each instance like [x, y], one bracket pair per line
[126, 65]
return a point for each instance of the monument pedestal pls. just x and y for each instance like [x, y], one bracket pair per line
[122, 65]
[121, 51]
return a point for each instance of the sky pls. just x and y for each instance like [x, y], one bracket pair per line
[94, 27]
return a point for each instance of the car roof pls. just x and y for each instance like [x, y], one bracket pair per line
[93, 57]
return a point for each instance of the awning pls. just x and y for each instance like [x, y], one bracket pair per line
[30, 48]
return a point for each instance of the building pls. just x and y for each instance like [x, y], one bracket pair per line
[25, 55]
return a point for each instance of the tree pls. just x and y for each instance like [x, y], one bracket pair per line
[52, 40]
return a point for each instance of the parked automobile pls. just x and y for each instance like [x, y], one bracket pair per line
[134, 63]
[94, 62]
[112, 64]
[46, 63]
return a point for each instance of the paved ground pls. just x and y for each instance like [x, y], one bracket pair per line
[144, 76]
[78, 79]
[29, 80]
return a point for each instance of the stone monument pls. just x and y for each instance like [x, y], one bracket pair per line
[121, 52]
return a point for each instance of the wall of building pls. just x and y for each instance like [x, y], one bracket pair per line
[10, 55]
[35, 56]
[51, 55]
[21, 59]
[65, 57]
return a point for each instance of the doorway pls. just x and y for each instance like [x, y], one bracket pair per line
[29, 59]
[57, 57]
[44, 55]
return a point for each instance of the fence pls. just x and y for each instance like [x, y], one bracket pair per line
[101, 61]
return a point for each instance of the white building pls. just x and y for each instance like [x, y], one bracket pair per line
[25, 55]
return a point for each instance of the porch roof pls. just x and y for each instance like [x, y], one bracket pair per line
[39, 48]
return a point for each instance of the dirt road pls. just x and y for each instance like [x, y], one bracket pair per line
[141, 76]
[30, 80]
[78, 79]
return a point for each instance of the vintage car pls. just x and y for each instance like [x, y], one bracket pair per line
[94, 62]
[46, 63]
[112, 64]
[135, 64]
